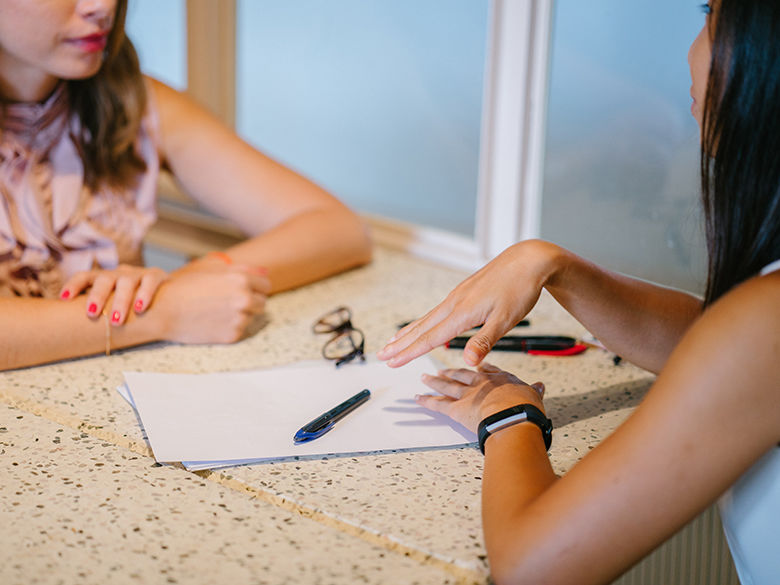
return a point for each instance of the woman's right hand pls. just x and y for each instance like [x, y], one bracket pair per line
[497, 297]
[213, 304]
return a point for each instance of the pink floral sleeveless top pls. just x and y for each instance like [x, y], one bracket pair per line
[51, 224]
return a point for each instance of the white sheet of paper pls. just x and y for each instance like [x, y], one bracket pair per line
[225, 417]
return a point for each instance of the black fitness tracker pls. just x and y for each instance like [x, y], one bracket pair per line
[512, 416]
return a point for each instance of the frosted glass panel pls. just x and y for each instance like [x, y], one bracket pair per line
[620, 177]
[159, 33]
[378, 101]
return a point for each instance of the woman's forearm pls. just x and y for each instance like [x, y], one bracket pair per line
[517, 470]
[37, 331]
[307, 247]
[640, 321]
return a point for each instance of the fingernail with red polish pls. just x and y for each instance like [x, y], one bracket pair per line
[139, 306]
[65, 294]
[115, 316]
[92, 309]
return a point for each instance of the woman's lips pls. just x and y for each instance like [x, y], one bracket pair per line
[90, 43]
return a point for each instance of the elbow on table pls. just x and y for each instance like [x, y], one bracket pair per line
[357, 239]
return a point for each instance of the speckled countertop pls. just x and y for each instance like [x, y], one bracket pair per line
[83, 501]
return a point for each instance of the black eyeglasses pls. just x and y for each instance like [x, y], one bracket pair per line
[347, 342]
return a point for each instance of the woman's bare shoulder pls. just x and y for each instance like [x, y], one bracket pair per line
[735, 344]
[751, 306]
[168, 100]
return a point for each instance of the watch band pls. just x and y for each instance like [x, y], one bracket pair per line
[512, 416]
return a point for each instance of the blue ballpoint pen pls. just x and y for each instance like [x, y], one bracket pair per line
[323, 423]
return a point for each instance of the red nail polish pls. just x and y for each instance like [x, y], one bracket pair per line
[115, 316]
[65, 294]
[92, 309]
[139, 305]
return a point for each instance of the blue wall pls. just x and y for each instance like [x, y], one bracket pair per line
[159, 33]
[621, 164]
[378, 101]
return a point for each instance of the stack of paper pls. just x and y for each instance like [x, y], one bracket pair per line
[233, 418]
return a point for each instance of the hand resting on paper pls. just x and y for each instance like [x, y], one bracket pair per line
[468, 396]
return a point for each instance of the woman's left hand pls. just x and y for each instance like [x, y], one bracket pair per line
[131, 286]
[469, 396]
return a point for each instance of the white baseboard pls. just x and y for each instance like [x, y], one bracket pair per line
[439, 246]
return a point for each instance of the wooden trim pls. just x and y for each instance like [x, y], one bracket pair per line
[211, 56]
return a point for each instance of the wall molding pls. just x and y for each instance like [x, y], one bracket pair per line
[513, 124]
[439, 246]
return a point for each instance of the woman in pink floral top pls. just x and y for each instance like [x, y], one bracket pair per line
[83, 136]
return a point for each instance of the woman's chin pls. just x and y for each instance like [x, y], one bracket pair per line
[83, 68]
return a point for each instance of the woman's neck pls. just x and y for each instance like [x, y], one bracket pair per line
[26, 86]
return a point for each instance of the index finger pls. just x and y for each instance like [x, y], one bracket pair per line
[442, 319]
[77, 284]
[416, 344]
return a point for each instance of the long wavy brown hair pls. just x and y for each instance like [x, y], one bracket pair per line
[110, 105]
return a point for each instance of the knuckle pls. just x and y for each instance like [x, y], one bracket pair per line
[124, 281]
[243, 301]
[238, 279]
[425, 339]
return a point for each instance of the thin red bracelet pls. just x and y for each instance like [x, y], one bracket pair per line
[218, 255]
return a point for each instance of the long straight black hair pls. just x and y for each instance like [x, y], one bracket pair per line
[740, 155]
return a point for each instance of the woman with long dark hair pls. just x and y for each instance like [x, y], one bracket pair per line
[709, 428]
[83, 136]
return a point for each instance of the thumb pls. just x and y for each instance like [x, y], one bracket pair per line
[481, 343]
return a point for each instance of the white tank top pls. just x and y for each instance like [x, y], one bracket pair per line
[750, 511]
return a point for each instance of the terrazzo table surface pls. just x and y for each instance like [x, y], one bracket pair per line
[83, 501]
